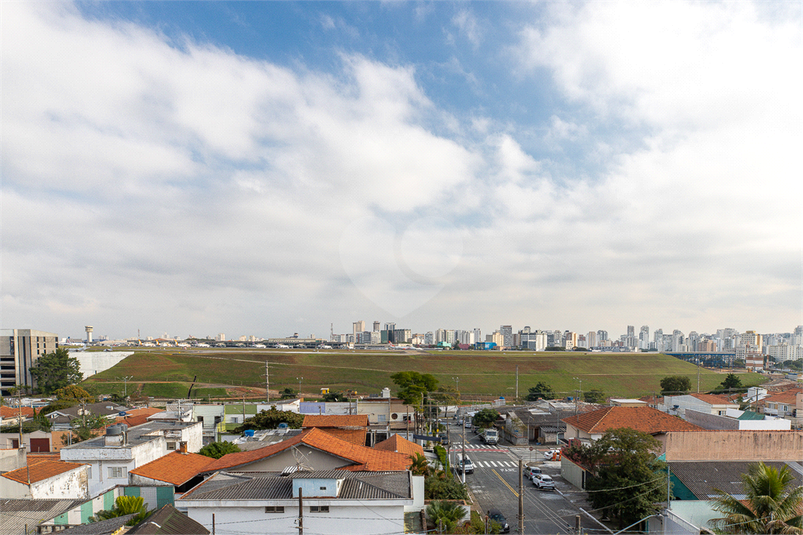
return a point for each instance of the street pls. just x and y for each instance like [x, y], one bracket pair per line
[495, 485]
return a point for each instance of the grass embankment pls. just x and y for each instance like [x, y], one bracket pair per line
[488, 373]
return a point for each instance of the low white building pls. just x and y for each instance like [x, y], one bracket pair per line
[121, 450]
[707, 403]
[334, 502]
[46, 480]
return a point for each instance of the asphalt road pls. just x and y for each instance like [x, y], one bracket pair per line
[495, 485]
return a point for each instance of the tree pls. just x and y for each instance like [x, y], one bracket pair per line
[335, 397]
[541, 390]
[445, 514]
[413, 384]
[768, 504]
[271, 420]
[56, 370]
[442, 486]
[675, 384]
[124, 505]
[73, 393]
[485, 418]
[419, 465]
[289, 393]
[216, 450]
[626, 479]
[732, 382]
[83, 428]
[594, 396]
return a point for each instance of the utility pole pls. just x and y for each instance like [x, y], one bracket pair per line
[300, 511]
[517, 383]
[463, 463]
[521, 496]
[698, 375]
[267, 381]
[125, 384]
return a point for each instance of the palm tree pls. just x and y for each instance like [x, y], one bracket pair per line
[768, 505]
[445, 514]
[419, 465]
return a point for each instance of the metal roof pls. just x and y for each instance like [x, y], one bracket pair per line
[702, 477]
[20, 513]
[273, 486]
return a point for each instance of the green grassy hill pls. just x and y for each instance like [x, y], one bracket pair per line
[489, 373]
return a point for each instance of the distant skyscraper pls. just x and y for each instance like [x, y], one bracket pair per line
[591, 338]
[358, 327]
[644, 337]
[377, 326]
[507, 335]
[477, 334]
[602, 336]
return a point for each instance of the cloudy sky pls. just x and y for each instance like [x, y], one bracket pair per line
[266, 168]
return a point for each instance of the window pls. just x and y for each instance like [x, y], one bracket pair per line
[89, 472]
[319, 509]
[274, 509]
[115, 472]
[171, 446]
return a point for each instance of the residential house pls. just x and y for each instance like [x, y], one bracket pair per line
[330, 501]
[178, 469]
[784, 405]
[113, 455]
[590, 426]
[44, 478]
[399, 444]
[706, 403]
[169, 521]
[351, 428]
[313, 449]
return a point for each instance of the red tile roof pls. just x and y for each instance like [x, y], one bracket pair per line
[335, 420]
[644, 419]
[175, 468]
[40, 470]
[14, 412]
[365, 459]
[787, 396]
[399, 444]
[355, 436]
[714, 399]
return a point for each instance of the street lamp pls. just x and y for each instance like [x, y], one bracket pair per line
[299, 384]
[579, 393]
[456, 383]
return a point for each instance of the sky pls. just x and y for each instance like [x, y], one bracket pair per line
[266, 168]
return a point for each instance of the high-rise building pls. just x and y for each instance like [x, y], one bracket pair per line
[591, 338]
[602, 336]
[751, 339]
[534, 341]
[19, 351]
[644, 337]
[507, 335]
[358, 327]
[477, 335]
[377, 326]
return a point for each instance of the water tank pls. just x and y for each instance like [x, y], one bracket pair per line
[249, 432]
[114, 430]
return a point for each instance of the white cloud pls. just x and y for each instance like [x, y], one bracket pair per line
[468, 25]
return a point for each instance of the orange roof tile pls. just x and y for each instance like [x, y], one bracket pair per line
[399, 444]
[40, 470]
[367, 459]
[713, 399]
[335, 420]
[644, 419]
[787, 396]
[175, 468]
[14, 412]
[355, 436]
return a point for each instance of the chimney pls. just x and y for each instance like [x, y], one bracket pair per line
[114, 436]
[182, 446]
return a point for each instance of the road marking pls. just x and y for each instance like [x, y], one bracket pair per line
[516, 494]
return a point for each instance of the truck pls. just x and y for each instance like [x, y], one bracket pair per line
[490, 436]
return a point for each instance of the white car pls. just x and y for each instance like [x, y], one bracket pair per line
[543, 481]
[552, 455]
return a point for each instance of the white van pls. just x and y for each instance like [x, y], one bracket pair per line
[463, 463]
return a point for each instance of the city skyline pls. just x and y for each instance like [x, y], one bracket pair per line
[272, 167]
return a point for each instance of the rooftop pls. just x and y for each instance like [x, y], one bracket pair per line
[175, 468]
[335, 420]
[645, 419]
[136, 435]
[274, 486]
[701, 478]
[40, 470]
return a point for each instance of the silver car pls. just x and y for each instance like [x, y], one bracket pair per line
[543, 482]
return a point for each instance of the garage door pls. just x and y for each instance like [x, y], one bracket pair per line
[40, 445]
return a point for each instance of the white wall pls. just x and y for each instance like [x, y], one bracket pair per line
[98, 361]
[375, 516]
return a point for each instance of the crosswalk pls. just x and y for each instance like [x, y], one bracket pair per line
[495, 464]
[477, 447]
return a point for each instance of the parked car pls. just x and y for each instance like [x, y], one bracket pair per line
[495, 516]
[543, 481]
[530, 471]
